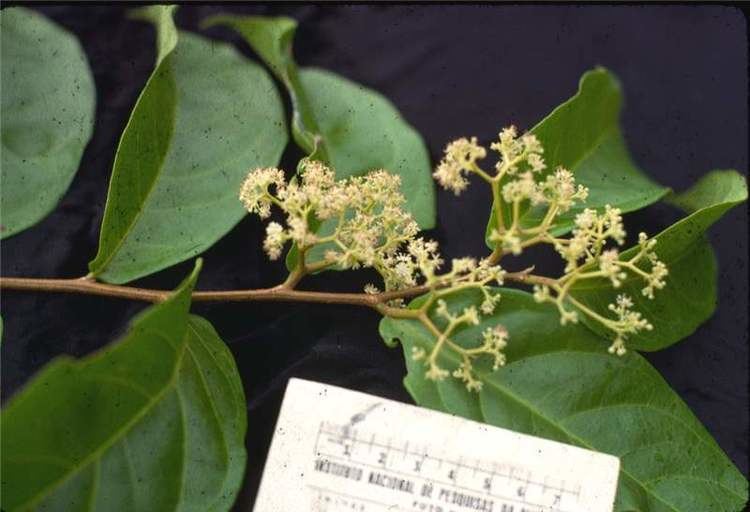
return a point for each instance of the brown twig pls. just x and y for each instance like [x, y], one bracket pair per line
[281, 293]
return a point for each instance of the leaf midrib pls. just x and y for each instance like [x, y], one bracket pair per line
[581, 442]
[214, 412]
[152, 186]
[119, 434]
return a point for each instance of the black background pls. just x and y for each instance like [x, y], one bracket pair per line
[452, 71]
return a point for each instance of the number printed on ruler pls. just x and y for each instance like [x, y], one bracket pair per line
[337, 450]
[435, 480]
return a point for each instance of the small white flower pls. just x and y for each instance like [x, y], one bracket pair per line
[523, 188]
[628, 322]
[508, 241]
[567, 315]
[536, 162]
[464, 372]
[508, 135]
[586, 219]
[495, 338]
[608, 264]
[417, 353]
[435, 372]
[560, 188]
[541, 293]
[371, 289]
[442, 310]
[514, 151]
[490, 302]
[618, 346]
[655, 279]
[460, 157]
[471, 315]
[254, 192]
[531, 144]
[274, 242]
[463, 265]
[612, 221]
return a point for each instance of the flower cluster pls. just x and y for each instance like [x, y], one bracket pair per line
[364, 225]
[368, 226]
[520, 182]
[586, 257]
[514, 151]
[460, 159]
[465, 274]
[628, 322]
[655, 279]
[494, 340]
[418, 260]
[557, 191]
[360, 222]
[589, 237]
[255, 192]
[470, 273]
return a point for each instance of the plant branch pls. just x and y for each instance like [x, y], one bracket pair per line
[281, 293]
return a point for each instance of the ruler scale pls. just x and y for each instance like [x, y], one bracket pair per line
[337, 450]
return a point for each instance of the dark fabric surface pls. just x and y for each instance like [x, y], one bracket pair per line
[452, 71]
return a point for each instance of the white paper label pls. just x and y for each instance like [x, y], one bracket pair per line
[338, 450]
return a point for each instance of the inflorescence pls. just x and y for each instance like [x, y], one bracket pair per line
[360, 222]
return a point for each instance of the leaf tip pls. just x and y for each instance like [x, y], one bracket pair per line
[151, 12]
[600, 74]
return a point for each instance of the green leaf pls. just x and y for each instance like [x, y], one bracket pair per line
[358, 129]
[713, 195]
[583, 135]
[560, 383]
[205, 117]
[689, 297]
[47, 115]
[156, 421]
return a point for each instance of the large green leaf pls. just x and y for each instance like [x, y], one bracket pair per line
[560, 383]
[689, 297]
[583, 135]
[358, 129]
[156, 421]
[205, 117]
[47, 115]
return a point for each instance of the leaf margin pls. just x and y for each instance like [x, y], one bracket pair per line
[436, 396]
